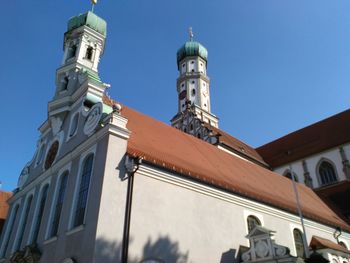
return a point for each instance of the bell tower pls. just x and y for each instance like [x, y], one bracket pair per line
[83, 46]
[193, 88]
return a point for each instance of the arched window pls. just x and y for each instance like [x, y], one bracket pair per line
[299, 243]
[89, 52]
[83, 191]
[23, 223]
[59, 204]
[289, 175]
[252, 221]
[10, 229]
[40, 212]
[327, 173]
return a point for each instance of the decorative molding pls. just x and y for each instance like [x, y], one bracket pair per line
[30, 254]
[345, 162]
[63, 161]
[50, 240]
[93, 118]
[307, 177]
[75, 230]
[264, 249]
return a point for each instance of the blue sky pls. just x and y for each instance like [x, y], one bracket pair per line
[275, 65]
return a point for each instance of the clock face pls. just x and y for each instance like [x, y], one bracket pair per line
[51, 155]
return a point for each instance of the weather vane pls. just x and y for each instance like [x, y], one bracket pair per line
[94, 2]
[190, 32]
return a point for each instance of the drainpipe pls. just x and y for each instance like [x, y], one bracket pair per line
[131, 166]
[306, 249]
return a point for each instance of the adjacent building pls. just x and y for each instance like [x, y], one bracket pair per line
[317, 156]
[4, 196]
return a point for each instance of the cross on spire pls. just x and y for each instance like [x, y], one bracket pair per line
[190, 32]
[94, 2]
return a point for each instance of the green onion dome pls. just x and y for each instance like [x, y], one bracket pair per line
[88, 19]
[192, 48]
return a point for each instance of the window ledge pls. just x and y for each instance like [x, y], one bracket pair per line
[62, 91]
[75, 230]
[50, 240]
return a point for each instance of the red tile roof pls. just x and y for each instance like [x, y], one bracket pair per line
[319, 243]
[238, 146]
[169, 148]
[4, 196]
[320, 136]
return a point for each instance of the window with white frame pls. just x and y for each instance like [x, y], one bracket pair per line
[326, 173]
[299, 243]
[252, 221]
[23, 223]
[9, 230]
[40, 213]
[58, 205]
[83, 190]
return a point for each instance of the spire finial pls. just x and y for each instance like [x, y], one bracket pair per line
[190, 32]
[94, 2]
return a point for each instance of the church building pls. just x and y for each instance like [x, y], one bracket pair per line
[110, 184]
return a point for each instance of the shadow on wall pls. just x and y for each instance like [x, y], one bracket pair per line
[161, 250]
[164, 250]
[107, 251]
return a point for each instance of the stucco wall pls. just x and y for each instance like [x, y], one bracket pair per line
[174, 218]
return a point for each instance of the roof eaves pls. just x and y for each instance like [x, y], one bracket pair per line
[152, 160]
